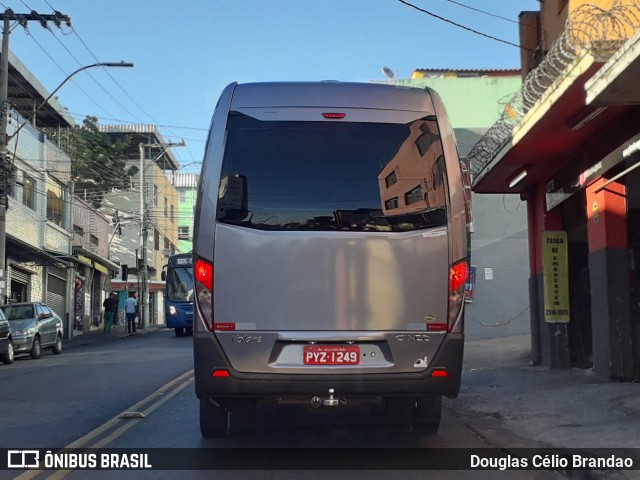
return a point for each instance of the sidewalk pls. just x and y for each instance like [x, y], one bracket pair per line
[117, 332]
[538, 407]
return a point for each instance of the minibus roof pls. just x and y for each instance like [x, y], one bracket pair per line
[332, 94]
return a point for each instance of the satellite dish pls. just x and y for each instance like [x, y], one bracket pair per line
[390, 74]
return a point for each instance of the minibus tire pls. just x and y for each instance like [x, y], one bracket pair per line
[242, 413]
[398, 411]
[427, 414]
[213, 419]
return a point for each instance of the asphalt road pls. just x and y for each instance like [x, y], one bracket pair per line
[75, 400]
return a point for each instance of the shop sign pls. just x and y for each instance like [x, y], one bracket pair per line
[556, 277]
[100, 268]
[556, 194]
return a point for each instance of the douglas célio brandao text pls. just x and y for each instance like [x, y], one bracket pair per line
[550, 461]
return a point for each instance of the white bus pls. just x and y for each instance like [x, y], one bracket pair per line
[330, 253]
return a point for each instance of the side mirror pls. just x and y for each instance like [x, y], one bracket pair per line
[163, 275]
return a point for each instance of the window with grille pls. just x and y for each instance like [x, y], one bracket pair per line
[414, 195]
[391, 203]
[55, 202]
[183, 233]
[391, 179]
[11, 183]
[29, 191]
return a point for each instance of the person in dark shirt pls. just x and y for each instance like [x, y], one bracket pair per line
[110, 305]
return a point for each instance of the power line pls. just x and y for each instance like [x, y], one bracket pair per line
[131, 99]
[482, 11]
[463, 26]
[154, 120]
[65, 73]
[93, 77]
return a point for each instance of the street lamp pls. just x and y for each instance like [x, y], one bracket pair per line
[46, 100]
[4, 140]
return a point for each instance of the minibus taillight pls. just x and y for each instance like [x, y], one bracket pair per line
[203, 272]
[458, 276]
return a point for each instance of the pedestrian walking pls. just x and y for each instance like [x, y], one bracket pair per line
[130, 308]
[110, 305]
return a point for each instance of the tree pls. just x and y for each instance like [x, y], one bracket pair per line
[98, 163]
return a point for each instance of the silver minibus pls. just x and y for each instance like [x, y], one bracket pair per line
[330, 253]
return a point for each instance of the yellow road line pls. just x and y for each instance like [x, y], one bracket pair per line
[166, 392]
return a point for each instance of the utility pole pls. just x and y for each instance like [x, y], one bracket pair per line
[5, 165]
[143, 300]
[144, 221]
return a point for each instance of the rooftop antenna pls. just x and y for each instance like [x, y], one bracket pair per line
[390, 74]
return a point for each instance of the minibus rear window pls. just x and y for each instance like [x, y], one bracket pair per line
[332, 175]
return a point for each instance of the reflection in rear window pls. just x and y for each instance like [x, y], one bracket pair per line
[332, 175]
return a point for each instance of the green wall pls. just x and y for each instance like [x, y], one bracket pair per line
[472, 102]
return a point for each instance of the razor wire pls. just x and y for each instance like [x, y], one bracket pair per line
[588, 29]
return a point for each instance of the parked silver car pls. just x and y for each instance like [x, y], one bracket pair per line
[34, 326]
[6, 347]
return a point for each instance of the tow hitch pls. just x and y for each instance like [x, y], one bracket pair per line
[317, 402]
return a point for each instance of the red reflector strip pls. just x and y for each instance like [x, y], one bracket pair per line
[436, 327]
[220, 373]
[334, 115]
[439, 373]
[224, 327]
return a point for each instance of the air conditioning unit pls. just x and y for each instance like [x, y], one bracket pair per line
[166, 252]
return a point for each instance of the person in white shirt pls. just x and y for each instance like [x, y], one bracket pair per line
[130, 308]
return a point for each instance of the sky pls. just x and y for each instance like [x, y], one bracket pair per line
[186, 52]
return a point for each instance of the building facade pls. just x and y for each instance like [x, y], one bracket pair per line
[149, 209]
[46, 259]
[92, 233]
[186, 185]
[567, 142]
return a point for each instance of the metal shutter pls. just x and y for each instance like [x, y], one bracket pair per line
[56, 295]
[20, 276]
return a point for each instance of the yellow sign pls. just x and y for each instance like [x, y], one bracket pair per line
[100, 268]
[556, 277]
[596, 212]
[84, 259]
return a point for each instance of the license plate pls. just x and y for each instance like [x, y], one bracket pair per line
[331, 355]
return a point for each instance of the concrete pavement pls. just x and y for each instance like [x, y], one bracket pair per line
[534, 407]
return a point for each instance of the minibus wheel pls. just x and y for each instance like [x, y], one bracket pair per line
[213, 419]
[427, 413]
